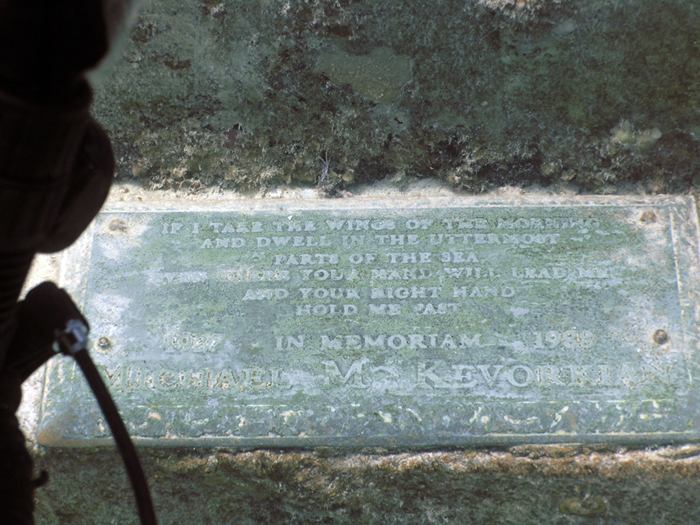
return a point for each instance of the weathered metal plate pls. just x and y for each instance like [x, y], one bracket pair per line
[360, 322]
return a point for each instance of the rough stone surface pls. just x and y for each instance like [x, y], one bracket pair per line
[551, 485]
[597, 95]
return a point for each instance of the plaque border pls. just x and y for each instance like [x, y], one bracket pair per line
[684, 232]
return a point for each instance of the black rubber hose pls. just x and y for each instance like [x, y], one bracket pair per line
[121, 436]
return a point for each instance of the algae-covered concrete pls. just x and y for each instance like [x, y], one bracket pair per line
[480, 93]
[587, 96]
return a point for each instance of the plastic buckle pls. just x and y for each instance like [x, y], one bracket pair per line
[72, 339]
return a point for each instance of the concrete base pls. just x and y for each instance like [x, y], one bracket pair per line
[562, 484]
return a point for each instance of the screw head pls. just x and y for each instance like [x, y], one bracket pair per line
[660, 337]
[648, 217]
[103, 343]
[118, 225]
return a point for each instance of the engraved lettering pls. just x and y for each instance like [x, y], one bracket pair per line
[280, 321]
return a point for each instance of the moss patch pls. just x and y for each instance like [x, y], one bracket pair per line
[336, 92]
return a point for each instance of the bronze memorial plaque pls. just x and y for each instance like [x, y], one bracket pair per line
[389, 322]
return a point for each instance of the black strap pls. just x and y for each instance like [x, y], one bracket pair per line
[121, 436]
